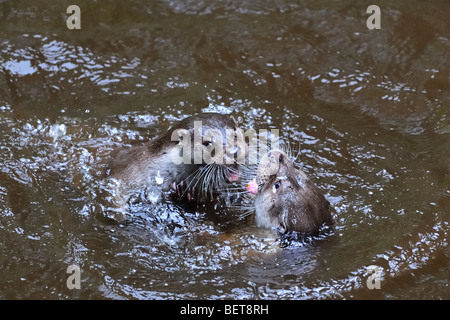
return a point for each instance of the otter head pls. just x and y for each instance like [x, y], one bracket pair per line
[210, 146]
[286, 199]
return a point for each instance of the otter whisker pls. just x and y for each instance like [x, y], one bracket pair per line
[294, 159]
[205, 179]
[218, 178]
[246, 214]
[286, 146]
[197, 173]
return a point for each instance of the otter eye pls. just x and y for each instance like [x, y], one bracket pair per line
[207, 143]
[276, 186]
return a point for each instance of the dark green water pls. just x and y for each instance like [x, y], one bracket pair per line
[369, 110]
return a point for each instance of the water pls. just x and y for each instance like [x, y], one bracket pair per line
[368, 110]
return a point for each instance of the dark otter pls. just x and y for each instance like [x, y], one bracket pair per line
[286, 199]
[192, 158]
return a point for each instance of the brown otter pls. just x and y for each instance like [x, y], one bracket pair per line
[176, 161]
[286, 199]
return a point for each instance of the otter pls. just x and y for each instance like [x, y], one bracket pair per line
[176, 162]
[286, 199]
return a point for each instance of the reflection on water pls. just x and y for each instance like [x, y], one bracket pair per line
[367, 111]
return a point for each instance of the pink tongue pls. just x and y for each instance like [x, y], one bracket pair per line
[252, 187]
[233, 177]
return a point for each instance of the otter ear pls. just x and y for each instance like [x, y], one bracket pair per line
[179, 135]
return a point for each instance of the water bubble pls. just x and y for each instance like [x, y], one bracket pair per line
[233, 150]
[159, 178]
[28, 127]
[57, 131]
[153, 195]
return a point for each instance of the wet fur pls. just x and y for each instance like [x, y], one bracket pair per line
[287, 199]
[135, 168]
